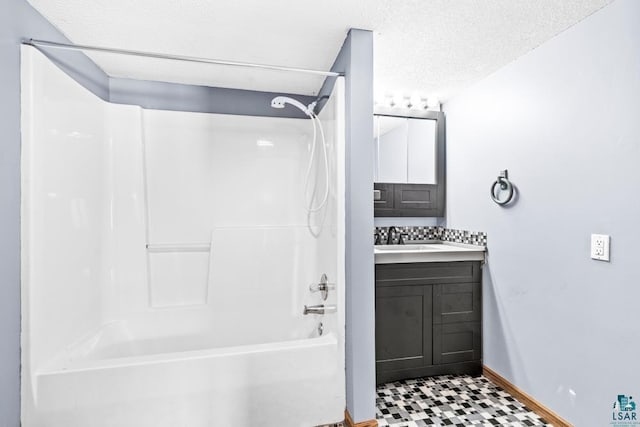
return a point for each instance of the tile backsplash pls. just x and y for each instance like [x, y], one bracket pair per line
[444, 234]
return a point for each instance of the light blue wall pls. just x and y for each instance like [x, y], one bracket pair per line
[201, 99]
[565, 120]
[356, 60]
[18, 20]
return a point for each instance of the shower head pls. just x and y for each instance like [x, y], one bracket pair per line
[281, 101]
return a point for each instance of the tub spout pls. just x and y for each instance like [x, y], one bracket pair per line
[319, 309]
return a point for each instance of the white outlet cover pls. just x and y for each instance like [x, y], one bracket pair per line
[600, 247]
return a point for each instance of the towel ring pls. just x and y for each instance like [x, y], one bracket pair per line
[504, 184]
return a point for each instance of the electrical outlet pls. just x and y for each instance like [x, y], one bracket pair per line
[600, 247]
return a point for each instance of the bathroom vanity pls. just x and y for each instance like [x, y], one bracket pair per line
[428, 310]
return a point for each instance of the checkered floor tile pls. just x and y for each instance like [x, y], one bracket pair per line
[450, 401]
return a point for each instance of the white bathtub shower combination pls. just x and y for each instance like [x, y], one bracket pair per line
[167, 258]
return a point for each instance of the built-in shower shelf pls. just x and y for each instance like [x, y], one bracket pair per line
[179, 247]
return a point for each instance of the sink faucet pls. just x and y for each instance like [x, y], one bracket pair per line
[392, 230]
[401, 238]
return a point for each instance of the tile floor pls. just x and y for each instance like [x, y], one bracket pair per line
[450, 401]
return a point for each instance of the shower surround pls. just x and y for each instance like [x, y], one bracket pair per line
[167, 260]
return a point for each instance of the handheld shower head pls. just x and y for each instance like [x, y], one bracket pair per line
[281, 101]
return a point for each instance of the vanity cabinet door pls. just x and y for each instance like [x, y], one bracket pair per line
[403, 327]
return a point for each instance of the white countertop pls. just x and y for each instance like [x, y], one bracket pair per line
[435, 251]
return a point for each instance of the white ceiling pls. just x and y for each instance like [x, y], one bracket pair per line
[422, 47]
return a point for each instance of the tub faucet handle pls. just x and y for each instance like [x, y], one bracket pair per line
[323, 287]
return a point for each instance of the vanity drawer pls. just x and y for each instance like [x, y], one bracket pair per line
[422, 273]
[457, 302]
[411, 199]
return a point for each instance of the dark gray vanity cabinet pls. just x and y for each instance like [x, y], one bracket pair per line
[428, 319]
[408, 200]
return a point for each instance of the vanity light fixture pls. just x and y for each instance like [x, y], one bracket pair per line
[404, 102]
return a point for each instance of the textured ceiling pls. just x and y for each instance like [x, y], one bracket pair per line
[422, 47]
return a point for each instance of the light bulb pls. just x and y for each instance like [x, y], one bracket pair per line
[388, 101]
[415, 101]
[433, 103]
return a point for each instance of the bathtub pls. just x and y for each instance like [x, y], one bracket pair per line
[112, 379]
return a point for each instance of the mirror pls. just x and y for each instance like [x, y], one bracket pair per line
[406, 149]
